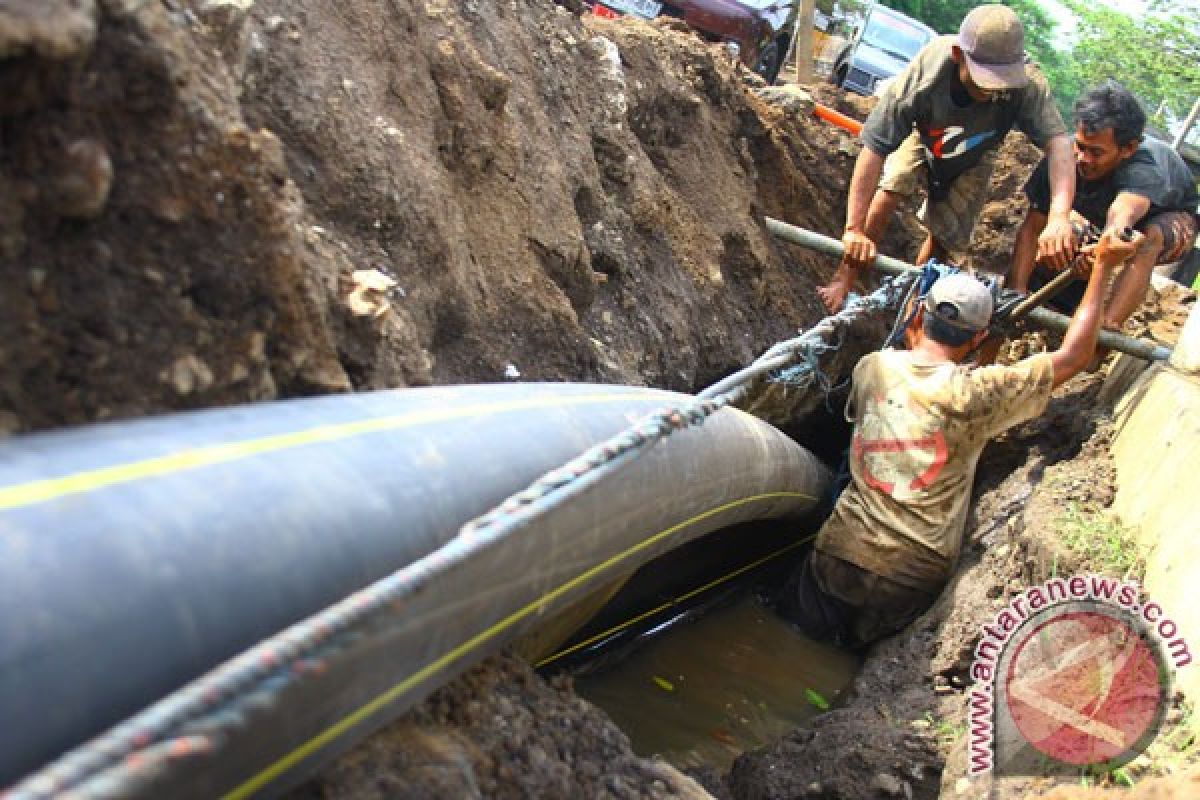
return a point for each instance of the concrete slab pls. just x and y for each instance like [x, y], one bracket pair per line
[1157, 453]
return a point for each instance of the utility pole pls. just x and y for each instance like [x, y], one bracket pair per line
[802, 42]
[1187, 125]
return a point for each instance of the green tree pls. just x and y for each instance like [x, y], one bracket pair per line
[1043, 41]
[1042, 38]
[1156, 55]
[944, 16]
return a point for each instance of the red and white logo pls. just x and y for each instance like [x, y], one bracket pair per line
[900, 451]
[1071, 674]
[1084, 687]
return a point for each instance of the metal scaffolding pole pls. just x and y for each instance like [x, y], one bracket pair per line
[1044, 317]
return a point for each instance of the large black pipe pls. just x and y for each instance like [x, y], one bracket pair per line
[135, 556]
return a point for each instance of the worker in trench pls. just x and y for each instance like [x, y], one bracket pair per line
[1123, 181]
[940, 121]
[921, 418]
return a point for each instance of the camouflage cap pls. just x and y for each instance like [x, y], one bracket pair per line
[993, 41]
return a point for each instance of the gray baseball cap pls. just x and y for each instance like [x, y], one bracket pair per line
[993, 41]
[960, 301]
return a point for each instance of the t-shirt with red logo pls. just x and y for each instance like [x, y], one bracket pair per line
[919, 432]
[955, 129]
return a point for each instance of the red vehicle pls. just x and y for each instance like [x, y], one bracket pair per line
[761, 29]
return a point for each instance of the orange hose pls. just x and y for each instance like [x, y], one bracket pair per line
[837, 118]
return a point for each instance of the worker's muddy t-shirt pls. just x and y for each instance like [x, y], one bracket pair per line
[917, 438]
[1154, 171]
[956, 130]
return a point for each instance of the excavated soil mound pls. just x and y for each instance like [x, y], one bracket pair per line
[500, 732]
[207, 206]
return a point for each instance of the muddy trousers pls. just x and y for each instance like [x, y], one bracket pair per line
[835, 601]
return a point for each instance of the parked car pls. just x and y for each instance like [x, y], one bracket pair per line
[883, 45]
[761, 29]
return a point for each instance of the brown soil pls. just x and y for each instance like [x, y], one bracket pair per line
[202, 205]
[191, 194]
[991, 244]
[500, 731]
[901, 733]
[1183, 787]
[917, 677]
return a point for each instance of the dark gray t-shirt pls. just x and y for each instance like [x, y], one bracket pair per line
[955, 129]
[1154, 171]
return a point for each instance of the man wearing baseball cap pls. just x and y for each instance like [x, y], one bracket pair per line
[921, 419]
[939, 123]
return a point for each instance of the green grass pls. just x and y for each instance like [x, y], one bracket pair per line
[1117, 777]
[1103, 541]
[1176, 750]
[947, 732]
[1178, 745]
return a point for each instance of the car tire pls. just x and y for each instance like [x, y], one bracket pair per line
[837, 74]
[770, 60]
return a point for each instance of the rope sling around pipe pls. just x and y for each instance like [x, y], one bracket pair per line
[1044, 317]
[198, 720]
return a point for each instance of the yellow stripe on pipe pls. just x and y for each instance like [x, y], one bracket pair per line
[350, 720]
[42, 491]
[683, 598]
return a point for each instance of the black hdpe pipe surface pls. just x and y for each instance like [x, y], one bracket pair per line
[136, 556]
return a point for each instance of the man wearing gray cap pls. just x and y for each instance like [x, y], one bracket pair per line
[921, 419]
[940, 121]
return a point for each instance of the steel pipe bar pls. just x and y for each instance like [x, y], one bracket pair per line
[1044, 317]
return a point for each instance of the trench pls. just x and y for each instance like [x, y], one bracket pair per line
[689, 658]
[710, 688]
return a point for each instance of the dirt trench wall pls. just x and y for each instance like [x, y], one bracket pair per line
[218, 202]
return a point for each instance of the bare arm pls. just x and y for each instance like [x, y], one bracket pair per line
[1079, 342]
[857, 239]
[1025, 250]
[1130, 288]
[1056, 244]
[860, 250]
[1127, 210]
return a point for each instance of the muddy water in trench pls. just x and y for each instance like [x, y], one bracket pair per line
[713, 687]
